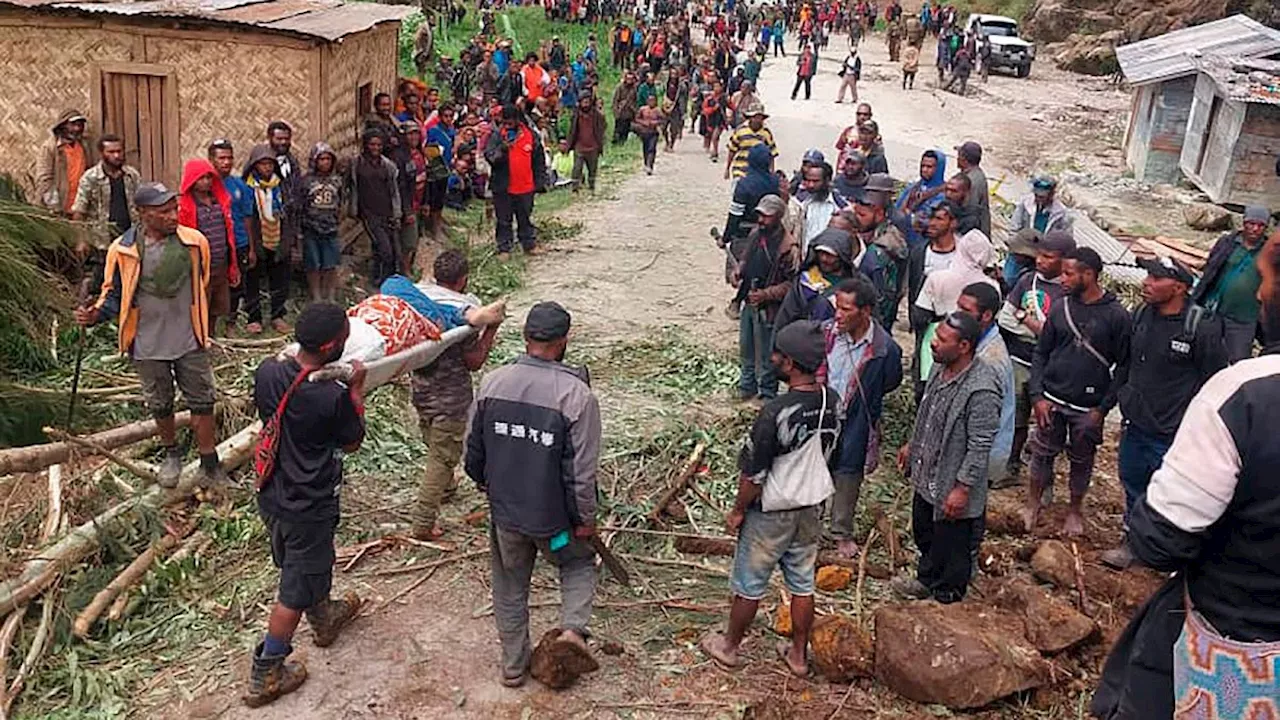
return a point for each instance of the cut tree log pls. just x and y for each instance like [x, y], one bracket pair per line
[682, 481]
[34, 458]
[127, 577]
[38, 572]
[137, 470]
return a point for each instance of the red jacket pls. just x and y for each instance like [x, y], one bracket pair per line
[191, 172]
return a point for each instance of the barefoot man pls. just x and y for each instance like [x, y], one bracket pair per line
[778, 511]
[1073, 383]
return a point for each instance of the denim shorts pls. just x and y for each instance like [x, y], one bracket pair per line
[787, 538]
[320, 251]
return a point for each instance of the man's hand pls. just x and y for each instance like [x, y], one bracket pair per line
[755, 297]
[86, 315]
[233, 276]
[904, 457]
[253, 258]
[1043, 411]
[733, 521]
[582, 532]
[957, 500]
[359, 373]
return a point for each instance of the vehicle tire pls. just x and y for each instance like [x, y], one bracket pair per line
[1024, 70]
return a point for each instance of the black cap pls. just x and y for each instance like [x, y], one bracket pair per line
[803, 342]
[546, 321]
[1167, 267]
[152, 194]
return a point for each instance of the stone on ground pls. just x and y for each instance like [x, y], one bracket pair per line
[558, 663]
[1053, 625]
[1207, 216]
[833, 577]
[1054, 563]
[842, 650]
[961, 655]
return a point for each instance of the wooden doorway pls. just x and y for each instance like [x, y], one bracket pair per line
[139, 102]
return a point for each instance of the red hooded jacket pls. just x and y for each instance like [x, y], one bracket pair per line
[191, 172]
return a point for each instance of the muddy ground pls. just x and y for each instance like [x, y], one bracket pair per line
[644, 260]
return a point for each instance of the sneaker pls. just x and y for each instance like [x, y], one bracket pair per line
[910, 588]
[1119, 558]
[272, 676]
[330, 616]
[170, 468]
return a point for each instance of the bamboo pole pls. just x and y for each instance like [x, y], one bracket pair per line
[132, 572]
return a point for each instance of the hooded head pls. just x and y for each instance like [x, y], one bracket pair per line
[322, 148]
[974, 250]
[939, 176]
[192, 172]
[260, 152]
[837, 240]
[760, 158]
[68, 117]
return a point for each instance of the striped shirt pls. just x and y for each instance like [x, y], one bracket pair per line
[740, 144]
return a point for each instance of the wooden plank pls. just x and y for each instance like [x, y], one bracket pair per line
[110, 117]
[97, 103]
[129, 121]
[132, 68]
[144, 127]
[171, 127]
[318, 104]
[155, 129]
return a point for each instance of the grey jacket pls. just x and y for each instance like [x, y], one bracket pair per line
[980, 198]
[533, 446]
[1024, 215]
[955, 426]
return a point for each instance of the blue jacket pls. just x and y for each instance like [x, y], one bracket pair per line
[881, 375]
[243, 207]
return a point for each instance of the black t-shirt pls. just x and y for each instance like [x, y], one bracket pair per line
[118, 208]
[318, 421]
[784, 424]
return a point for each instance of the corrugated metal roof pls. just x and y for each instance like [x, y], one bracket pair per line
[1173, 54]
[1244, 79]
[325, 19]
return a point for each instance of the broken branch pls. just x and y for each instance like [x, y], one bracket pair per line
[1079, 568]
[142, 472]
[131, 574]
[677, 487]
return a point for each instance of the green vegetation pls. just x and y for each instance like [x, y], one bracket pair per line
[1016, 9]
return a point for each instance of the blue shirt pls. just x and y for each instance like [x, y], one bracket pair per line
[579, 72]
[442, 136]
[502, 59]
[844, 363]
[242, 207]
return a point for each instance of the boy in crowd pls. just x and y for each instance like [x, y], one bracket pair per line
[322, 193]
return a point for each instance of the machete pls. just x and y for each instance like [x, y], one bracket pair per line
[610, 561]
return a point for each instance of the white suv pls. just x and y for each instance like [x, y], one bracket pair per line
[1007, 48]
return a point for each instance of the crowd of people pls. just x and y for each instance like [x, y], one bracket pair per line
[1012, 363]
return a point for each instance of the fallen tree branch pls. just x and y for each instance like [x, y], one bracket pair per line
[1079, 568]
[884, 524]
[677, 487]
[127, 577]
[430, 565]
[145, 473]
[38, 645]
[862, 574]
[33, 458]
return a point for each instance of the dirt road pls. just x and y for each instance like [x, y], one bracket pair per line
[643, 260]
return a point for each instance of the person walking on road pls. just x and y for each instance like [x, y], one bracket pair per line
[850, 73]
[806, 68]
[1229, 285]
[1175, 349]
[910, 66]
[518, 170]
[586, 141]
[648, 124]
[790, 442]
[746, 136]
[1083, 349]
[533, 448]
[624, 107]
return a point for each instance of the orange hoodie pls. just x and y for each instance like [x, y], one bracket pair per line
[191, 172]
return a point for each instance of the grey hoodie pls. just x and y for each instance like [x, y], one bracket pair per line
[320, 196]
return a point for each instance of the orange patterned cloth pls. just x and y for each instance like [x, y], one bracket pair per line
[396, 320]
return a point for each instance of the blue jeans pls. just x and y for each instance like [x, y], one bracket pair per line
[786, 539]
[1140, 456]
[755, 345]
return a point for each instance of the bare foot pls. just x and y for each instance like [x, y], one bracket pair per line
[573, 637]
[717, 647]
[1073, 526]
[1030, 514]
[847, 548]
[796, 663]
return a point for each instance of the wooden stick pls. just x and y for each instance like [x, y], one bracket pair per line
[431, 565]
[38, 644]
[843, 700]
[884, 523]
[53, 516]
[131, 574]
[862, 574]
[143, 472]
[1079, 568]
[682, 481]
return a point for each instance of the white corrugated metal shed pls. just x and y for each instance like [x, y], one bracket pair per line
[1173, 54]
[328, 20]
[1244, 79]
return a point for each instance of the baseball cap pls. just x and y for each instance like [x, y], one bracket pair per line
[1024, 242]
[547, 321]
[755, 108]
[1043, 185]
[1164, 266]
[814, 156]
[771, 205]
[970, 149]
[802, 341]
[152, 194]
[1257, 213]
[879, 182]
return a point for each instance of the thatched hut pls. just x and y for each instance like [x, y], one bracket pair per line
[171, 75]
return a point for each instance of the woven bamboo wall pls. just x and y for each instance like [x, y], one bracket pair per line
[369, 57]
[47, 70]
[232, 90]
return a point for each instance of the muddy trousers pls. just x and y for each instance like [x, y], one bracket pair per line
[444, 438]
[844, 503]
[517, 210]
[384, 246]
[946, 551]
[848, 82]
[1068, 430]
[511, 556]
[589, 159]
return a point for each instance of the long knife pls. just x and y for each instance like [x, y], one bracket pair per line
[611, 561]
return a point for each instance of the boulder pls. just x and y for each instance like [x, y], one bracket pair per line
[782, 619]
[831, 578]
[842, 650]
[1054, 563]
[1207, 216]
[961, 655]
[1053, 625]
[1088, 54]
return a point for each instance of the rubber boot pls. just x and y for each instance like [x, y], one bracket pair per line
[170, 468]
[330, 616]
[271, 677]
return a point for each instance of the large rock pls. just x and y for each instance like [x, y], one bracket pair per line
[842, 650]
[831, 578]
[1054, 563]
[961, 655]
[558, 663]
[1052, 625]
[1088, 54]
[1207, 216]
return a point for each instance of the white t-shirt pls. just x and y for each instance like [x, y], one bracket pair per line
[935, 261]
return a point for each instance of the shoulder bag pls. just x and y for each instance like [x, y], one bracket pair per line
[1083, 342]
[264, 453]
[801, 477]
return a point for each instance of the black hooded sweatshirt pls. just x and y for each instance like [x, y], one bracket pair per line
[1064, 370]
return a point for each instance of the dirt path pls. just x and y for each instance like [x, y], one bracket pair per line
[643, 260]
